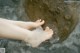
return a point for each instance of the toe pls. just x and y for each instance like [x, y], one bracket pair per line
[47, 28]
[51, 31]
[42, 22]
[38, 20]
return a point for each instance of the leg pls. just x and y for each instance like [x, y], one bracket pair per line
[29, 25]
[39, 35]
[35, 37]
[26, 25]
[11, 31]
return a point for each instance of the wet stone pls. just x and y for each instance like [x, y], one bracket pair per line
[9, 10]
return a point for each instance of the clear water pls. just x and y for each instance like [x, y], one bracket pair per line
[10, 9]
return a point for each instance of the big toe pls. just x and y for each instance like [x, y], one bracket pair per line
[47, 29]
[42, 22]
[38, 20]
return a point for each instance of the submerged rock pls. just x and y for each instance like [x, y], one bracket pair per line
[62, 20]
[56, 14]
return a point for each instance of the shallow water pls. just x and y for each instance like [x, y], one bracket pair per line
[9, 9]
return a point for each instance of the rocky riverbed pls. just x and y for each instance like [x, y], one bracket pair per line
[10, 9]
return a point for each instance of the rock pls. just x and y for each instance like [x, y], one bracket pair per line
[61, 18]
[70, 45]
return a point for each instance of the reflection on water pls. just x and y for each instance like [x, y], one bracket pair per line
[10, 9]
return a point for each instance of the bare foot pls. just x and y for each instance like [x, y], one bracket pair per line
[39, 23]
[30, 25]
[38, 36]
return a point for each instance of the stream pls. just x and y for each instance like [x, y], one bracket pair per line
[10, 9]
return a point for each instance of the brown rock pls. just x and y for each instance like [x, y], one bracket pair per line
[61, 18]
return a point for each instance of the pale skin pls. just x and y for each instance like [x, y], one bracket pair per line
[19, 30]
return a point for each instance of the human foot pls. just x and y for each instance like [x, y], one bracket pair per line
[39, 23]
[26, 25]
[38, 36]
[30, 25]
